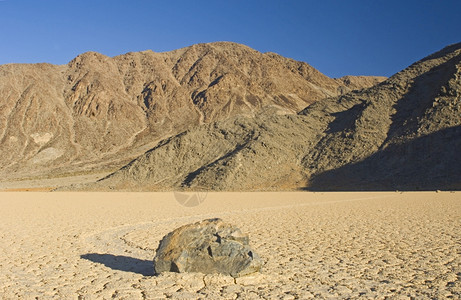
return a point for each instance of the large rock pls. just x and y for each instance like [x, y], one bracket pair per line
[209, 246]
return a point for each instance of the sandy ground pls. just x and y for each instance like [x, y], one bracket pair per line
[338, 245]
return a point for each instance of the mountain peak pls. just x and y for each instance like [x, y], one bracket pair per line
[403, 134]
[102, 111]
[90, 57]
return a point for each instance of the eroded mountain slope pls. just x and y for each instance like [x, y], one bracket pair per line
[99, 112]
[401, 134]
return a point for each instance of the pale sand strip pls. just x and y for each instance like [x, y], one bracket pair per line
[340, 245]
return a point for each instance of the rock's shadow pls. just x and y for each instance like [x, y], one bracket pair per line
[122, 263]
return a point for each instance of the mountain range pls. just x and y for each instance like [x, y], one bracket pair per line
[225, 117]
[97, 113]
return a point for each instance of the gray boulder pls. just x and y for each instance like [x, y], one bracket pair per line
[210, 246]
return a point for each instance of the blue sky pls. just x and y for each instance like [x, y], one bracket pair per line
[337, 37]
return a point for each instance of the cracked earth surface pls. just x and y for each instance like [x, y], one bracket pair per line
[314, 245]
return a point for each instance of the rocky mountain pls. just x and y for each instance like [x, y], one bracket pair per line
[99, 112]
[404, 133]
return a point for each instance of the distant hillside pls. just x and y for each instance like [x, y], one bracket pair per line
[99, 112]
[404, 133]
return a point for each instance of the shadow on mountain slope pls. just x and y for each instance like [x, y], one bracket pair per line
[430, 162]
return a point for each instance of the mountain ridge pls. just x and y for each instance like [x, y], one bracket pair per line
[99, 112]
[374, 139]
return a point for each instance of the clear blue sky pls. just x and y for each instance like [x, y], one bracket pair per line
[368, 37]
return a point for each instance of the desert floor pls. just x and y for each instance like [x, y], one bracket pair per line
[339, 245]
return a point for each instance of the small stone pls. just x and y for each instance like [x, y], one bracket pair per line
[210, 246]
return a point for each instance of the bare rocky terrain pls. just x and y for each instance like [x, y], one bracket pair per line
[404, 133]
[97, 113]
